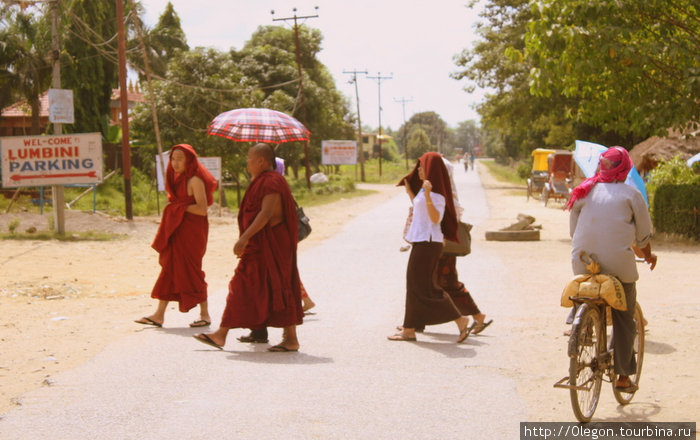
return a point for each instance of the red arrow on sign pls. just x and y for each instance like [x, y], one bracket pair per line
[17, 177]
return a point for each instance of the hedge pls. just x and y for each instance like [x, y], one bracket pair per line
[677, 210]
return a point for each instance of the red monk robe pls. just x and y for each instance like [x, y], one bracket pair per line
[265, 290]
[181, 239]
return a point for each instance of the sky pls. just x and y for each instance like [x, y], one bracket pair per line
[413, 41]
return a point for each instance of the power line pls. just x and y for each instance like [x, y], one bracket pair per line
[354, 73]
[379, 79]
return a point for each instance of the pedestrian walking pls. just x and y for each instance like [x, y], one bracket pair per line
[260, 335]
[181, 240]
[264, 290]
[434, 218]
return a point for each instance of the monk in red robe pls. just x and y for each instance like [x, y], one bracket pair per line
[181, 239]
[264, 290]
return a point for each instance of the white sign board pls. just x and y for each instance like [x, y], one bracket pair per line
[61, 106]
[51, 160]
[213, 164]
[339, 152]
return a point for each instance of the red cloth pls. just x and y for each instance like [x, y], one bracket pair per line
[265, 289]
[436, 172]
[181, 239]
[618, 173]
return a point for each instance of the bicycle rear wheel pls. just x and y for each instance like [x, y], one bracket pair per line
[625, 398]
[585, 366]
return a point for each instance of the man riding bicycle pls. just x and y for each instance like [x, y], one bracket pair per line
[611, 220]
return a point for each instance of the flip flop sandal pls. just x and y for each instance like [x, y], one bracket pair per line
[478, 328]
[149, 321]
[205, 339]
[464, 334]
[282, 349]
[400, 337]
[200, 323]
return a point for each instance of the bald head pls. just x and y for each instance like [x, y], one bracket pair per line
[261, 157]
[266, 152]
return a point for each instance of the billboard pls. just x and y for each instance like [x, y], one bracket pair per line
[51, 160]
[339, 152]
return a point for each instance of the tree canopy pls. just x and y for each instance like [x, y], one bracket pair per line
[630, 66]
[560, 70]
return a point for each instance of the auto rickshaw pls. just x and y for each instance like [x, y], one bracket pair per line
[539, 173]
[560, 167]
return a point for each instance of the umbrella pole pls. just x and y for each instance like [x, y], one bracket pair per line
[308, 167]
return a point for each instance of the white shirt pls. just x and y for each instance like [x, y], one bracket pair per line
[422, 228]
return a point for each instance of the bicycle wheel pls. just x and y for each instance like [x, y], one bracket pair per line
[625, 398]
[585, 369]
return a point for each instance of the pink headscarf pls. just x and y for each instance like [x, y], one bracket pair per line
[618, 173]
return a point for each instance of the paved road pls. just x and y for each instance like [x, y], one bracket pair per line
[347, 382]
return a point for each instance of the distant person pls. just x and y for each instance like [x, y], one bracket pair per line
[610, 219]
[471, 160]
[260, 335]
[265, 289]
[181, 239]
[434, 218]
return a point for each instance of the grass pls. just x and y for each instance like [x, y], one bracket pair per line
[146, 200]
[504, 173]
[68, 236]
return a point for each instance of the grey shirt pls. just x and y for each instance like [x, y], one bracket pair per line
[606, 223]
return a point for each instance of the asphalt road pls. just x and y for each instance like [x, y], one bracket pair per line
[347, 382]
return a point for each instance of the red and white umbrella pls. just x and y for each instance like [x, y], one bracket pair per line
[258, 125]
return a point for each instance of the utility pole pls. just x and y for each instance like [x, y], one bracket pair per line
[403, 102]
[379, 79]
[359, 124]
[126, 150]
[302, 109]
[57, 190]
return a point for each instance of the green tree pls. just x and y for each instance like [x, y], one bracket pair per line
[162, 42]
[26, 70]
[269, 59]
[630, 66]
[199, 84]
[89, 60]
[418, 142]
[432, 125]
[467, 135]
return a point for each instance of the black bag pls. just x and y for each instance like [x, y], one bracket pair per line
[464, 247]
[303, 221]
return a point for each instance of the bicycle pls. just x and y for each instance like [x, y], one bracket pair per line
[591, 357]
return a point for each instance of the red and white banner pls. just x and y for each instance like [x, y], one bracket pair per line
[339, 152]
[51, 160]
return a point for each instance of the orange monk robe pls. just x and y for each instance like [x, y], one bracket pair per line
[181, 239]
[265, 289]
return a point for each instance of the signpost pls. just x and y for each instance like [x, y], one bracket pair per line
[51, 160]
[339, 152]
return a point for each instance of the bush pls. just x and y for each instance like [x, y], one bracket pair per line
[677, 210]
[671, 172]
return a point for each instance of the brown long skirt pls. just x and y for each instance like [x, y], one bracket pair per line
[449, 281]
[426, 302]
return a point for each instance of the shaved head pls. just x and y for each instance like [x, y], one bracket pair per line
[266, 152]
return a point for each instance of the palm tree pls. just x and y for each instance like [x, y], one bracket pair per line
[25, 69]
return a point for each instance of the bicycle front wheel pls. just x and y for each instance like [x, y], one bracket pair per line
[622, 397]
[586, 347]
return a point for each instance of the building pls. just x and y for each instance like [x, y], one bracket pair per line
[16, 120]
